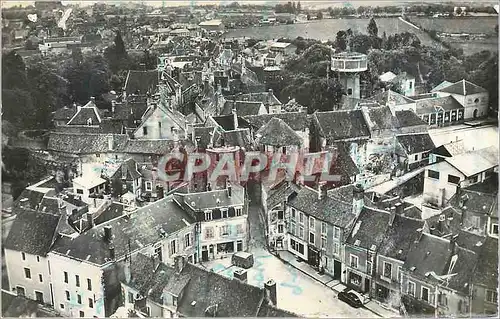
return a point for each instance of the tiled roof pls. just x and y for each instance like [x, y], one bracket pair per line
[111, 212]
[441, 86]
[451, 149]
[476, 161]
[207, 135]
[463, 269]
[463, 87]
[227, 121]
[64, 114]
[370, 228]
[268, 98]
[298, 121]
[408, 118]
[486, 272]
[477, 202]
[330, 210]
[344, 164]
[29, 199]
[146, 226]
[239, 137]
[451, 224]
[277, 133]
[470, 241]
[142, 81]
[400, 236]
[416, 143]
[270, 311]
[390, 98]
[243, 108]
[22, 307]
[88, 114]
[279, 194]
[381, 118]
[32, 232]
[438, 104]
[339, 125]
[429, 254]
[214, 199]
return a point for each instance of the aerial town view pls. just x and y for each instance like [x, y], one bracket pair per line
[317, 159]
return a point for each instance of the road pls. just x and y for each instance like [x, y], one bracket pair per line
[296, 292]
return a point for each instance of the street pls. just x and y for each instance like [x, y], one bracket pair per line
[296, 292]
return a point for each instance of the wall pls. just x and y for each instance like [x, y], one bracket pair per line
[181, 247]
[155, 130]
[470, 104]
[60, 264]
[418, 289]
[233, 236]
[349, 81]
[362, 255]
[479, 304]
[15, 270]
[432, 187]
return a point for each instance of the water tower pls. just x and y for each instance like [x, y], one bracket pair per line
[348, 66]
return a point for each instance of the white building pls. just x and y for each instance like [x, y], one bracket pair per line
[471, 96]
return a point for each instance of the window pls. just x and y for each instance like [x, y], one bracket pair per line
[82, 314]
[312, 238]
[173, 247]
[130, 297]
[280, 215]
[23, 256]
[224, 213]
[323, 242]
[442, 299]
[336, 232]
[323, 228]
[369, 267]
[311, 223]
[79, 191]
[40, 277]
[491, 296]
[476, 222]
[425, 294]
[293, 213]
[174, 301]
[494, 229]
[336, 249]
[301, 218]
[159, 125]
[208, 215]
[387, 270]
[149, 186]
[68, 297]
[476, 100]
[433, 174]
[353, 261]
[224, 230]
[77, 280]
[61, 306]
[411, 84]
[144, 130]
[293, 228]
[239, 211]
[209, 232]
[91, 303]
[411, 288]
[453, 179]
[79, 299]
[38, 259]
[27, 273]
[158, 253]
[416, 157]
[89, 284]
[239, 229]
[349, 91]
[301, 232]
[187, 240]
[20, 291]
[39, 296]
[298, 247]
[281, 228]
[400, 274]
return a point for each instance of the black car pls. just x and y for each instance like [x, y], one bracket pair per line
[351, 298]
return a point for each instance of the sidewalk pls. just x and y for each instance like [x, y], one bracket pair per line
[331, 283]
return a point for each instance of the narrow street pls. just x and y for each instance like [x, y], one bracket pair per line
[296, 292]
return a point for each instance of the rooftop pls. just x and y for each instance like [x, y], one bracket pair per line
[341, 125]
[462, 87]
[277, 133]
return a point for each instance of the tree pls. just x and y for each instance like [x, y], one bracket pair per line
[299, 7]
[458, 11]
[341, 40]
[320, 15]
[372, 28]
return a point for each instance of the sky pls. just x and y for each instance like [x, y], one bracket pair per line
[305, 3]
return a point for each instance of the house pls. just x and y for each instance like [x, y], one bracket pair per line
[443, 178]
[127, 178]
[404, 82]
[158, 290]
[212, 25]
[270, 101]
[59, 45]
[14, 305]
[472, 97]
[484, 284]
[318, 226]
[244, 108]
[437, 111]
[89, 186]
[392, 253]
[446, 150]
[221, 216]
[27, 265]
[161, 122]
[394, 100]
[273, 58]
[278, 137]
[285, 48]
[414, 149]
[85, 274]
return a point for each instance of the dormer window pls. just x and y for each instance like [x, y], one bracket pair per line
[208, 215]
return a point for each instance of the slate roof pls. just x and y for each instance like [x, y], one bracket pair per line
[483, 159]
[463, 87]
[227, 121]
[329, 210]
[207, 135]
[142, 81]
[234, 298]
[83, 144]
[416, 143]
[213, 199]
[370, 228]
[32, 232]
[298, 121]
[408, 118]
[29, 199]
[463, 268]
[277, 133]
[486, 272]
[279, 194]
[239, 137]
[340, 125]
[390, 98]
[400, 236]
[438, 104]
[477, 202]
[140, 228]
[428, 255]
[381, 118]
[243, 108]
[86, 112]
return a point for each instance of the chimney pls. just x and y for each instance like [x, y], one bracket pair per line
[269, 96]
[90, 220]
[270, 288]
[235, 118]
[392, 216]
[159, 191]
[419, 236]
[113, 107]
[78, 107]
[322, 191]
[92, 99]
[241, 275]
[110, 142]
[180, 262]
[126, 270]
[399, 208]
[358, 198]
[453, 242]
[112, 252]
[108, 235]
[229, 190]
[209, 187]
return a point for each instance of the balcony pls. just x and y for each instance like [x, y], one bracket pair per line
[349, 62]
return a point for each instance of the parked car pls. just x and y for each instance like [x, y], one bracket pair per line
[351, 297]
